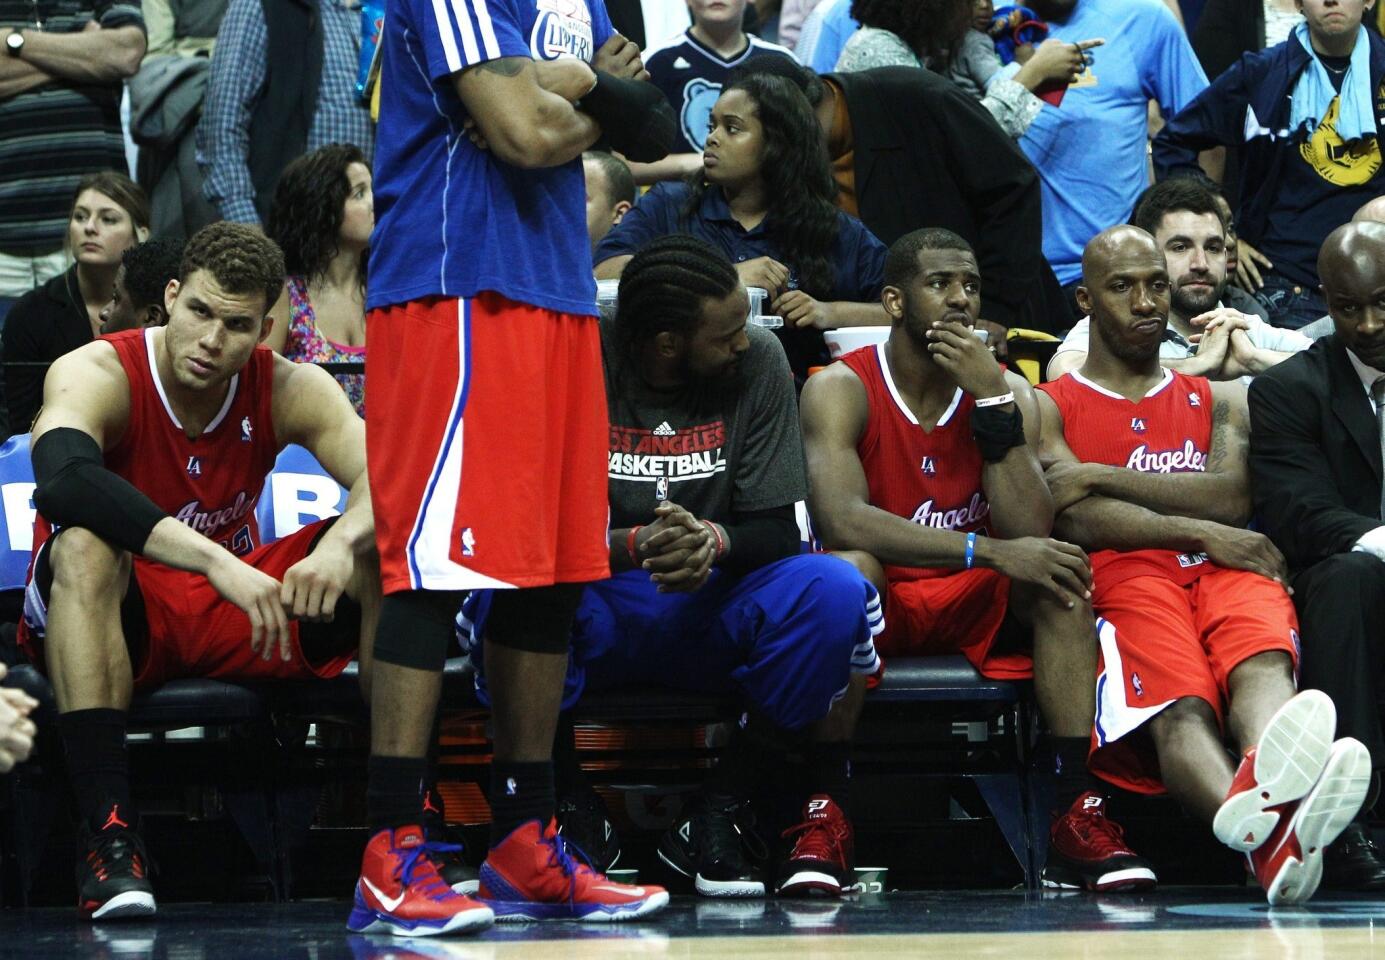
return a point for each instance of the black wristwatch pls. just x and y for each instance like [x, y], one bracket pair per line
[14, 43]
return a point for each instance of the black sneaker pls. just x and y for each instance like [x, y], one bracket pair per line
[709, 847]
[447, 848]
[113, 877]
[584, 823]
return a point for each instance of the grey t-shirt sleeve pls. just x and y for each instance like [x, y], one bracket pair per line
[770, 470]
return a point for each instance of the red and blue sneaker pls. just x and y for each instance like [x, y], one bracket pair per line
[401, 892]
[531, 875]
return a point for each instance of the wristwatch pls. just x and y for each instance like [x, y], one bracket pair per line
[14, 43]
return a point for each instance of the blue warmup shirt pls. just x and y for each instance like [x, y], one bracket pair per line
[453, 220]
[1090, 151]
[691, 76]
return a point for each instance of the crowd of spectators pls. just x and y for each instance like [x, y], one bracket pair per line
[1167, 201]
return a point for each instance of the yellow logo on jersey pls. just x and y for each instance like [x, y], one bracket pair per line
[1339, 163]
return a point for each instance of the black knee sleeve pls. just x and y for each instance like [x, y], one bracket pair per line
[416, 628]
[537, 620]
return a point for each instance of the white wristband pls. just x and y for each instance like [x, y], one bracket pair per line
[1004, 398]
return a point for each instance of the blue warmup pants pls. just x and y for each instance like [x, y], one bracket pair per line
[787, 636]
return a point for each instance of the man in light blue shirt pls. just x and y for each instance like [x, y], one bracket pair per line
[1091, 150]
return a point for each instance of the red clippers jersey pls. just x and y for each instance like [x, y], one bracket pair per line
[210, 483]
[932, 478]
[1169, 431]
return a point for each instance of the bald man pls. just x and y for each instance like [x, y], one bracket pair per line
[1315, 456]
[1372, 210]
[1198, 635]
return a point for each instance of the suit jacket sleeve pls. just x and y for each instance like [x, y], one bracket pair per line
[1298, 501]
[1002, 190]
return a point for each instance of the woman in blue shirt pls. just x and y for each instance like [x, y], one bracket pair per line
[765, 197]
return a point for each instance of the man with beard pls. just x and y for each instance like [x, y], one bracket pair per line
[710, 591]
[1215, 330]
[1315, 457]
[1198, 635]
[924, 471]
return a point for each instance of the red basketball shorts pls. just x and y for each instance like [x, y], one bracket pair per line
[958, 613]
[177, 625]
[486, 445]
[1161, 642]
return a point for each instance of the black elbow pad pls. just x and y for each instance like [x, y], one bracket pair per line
[634, 116]
[74, 489]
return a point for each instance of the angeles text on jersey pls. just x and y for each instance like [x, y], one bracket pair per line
[955, 518]
[1185, 459]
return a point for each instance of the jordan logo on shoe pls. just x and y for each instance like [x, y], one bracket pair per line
[428, 806]
[113, 820]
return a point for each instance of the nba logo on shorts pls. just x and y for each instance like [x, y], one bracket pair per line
[194, 466]
[468, 543]
[928, 466]
[661, 489]
[1139, 687]
[1194, 400]
[244, 429]
[1138, 424]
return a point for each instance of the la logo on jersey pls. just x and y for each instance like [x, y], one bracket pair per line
[194, 466]
[1138, 424]
[928, 466]
[244, 429]
[563, 28]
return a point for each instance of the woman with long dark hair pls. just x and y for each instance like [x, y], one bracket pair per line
[322, 216]
[110, 214]
[765, 198]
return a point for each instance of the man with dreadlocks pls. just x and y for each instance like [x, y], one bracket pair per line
[711, 591]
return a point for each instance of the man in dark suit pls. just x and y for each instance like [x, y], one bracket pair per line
[1315, 457]
[911, 149]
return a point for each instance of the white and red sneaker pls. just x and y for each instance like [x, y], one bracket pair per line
[400, 891]
[1280, 769]
[824, 852]
[1288, 863]
[530, 875]
[1087, 851]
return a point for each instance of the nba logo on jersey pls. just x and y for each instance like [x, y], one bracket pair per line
[1139, 687]
[194, 466]
[1138, 424]
[468, 543]
[928, 466]
[661, 489]
[244, 429]
[1194, 400]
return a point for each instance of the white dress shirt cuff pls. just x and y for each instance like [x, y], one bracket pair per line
[1372, 542]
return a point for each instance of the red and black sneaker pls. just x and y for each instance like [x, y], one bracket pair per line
[113, 873]
[446, 846]
[822, 855]
[400, 891]
[1086, 851]
[531, 875]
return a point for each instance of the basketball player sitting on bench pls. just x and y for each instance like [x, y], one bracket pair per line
[149, 452]
[710, 591]
[922, 458]
[1198, 635]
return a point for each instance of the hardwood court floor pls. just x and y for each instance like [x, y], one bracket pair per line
[1176, 924]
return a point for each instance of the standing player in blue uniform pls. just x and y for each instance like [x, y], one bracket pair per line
[488, 422]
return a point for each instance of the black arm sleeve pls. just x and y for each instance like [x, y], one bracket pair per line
[76, 490]
[759, 538]
[635, 117]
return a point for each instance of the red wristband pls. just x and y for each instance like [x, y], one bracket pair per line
[716, 532]
[630, 544]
